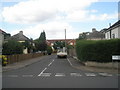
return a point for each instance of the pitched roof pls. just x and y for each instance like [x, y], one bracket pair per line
[115, 25]
[3, 32]
[19, 37]
[95, 34]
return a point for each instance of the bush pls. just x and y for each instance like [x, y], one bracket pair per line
[100, 51]
[49, 50]
[12, 47]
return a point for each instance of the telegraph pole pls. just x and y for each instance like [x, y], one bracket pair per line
[65, 39]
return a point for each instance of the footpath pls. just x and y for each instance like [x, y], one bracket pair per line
[74, 63]
[21, 64]
[79, 65]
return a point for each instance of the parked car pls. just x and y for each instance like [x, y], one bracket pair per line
[61, 53]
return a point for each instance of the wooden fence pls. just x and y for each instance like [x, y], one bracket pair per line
[21, 57]
[72, 52]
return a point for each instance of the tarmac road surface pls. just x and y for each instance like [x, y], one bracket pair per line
[53, 72]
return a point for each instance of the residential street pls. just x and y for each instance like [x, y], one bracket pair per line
[53, 72]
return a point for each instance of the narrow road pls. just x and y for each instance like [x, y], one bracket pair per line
[53, 72]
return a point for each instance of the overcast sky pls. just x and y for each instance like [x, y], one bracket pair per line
[53, 16]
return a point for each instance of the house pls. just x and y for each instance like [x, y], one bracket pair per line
[20, 37]
[1, 41]
[68, 41]
[113, 31]
[3, 36]
[94, 35]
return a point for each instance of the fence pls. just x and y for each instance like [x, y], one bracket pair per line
[21, 57]
[72, 52]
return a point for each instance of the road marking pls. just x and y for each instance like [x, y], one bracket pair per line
[27, 75]
[51, 63]
[46, 74]
[90, 74]
[12, 75]
[75, 74]
[59, 74]
[105, 74]
[69, 61]
[42, 72]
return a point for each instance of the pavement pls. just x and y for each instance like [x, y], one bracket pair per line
[73, 60]
[21, 64]
[79, 65]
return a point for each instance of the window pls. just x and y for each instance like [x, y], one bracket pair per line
[113, 35]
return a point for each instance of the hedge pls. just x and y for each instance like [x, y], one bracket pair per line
[99, 51]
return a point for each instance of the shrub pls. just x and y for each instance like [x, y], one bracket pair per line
[12, 47]
[49, 50]
[100, 51]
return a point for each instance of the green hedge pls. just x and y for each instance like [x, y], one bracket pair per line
[100, 51]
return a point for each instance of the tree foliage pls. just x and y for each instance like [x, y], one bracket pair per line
[41, 42]
[27, 44]
[12, 47]
[82, 36]
[49, 50]
[59, 44]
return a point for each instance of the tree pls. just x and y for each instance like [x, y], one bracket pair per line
[41, 42]
[49, 50]
[58, 44]
[27, 44]
[82, 36]
[12, 47]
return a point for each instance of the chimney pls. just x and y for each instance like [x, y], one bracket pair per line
[93, 29]
[21, 32]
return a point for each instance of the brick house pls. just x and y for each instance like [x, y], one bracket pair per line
[68, 41]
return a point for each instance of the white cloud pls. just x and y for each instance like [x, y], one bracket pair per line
[102, 17]
[54, 30]
[33, 11]
[53, 16]
[77, 16]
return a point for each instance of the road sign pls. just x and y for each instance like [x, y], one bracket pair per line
[116, 57]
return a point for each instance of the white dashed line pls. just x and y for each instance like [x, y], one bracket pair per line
[75, 74]
[69, 61]
[42, 72]
[90, 74]
[46, 74]
[59, 74]
[105, 74]
[51, 63]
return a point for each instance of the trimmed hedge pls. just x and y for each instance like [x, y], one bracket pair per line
[99, 51]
